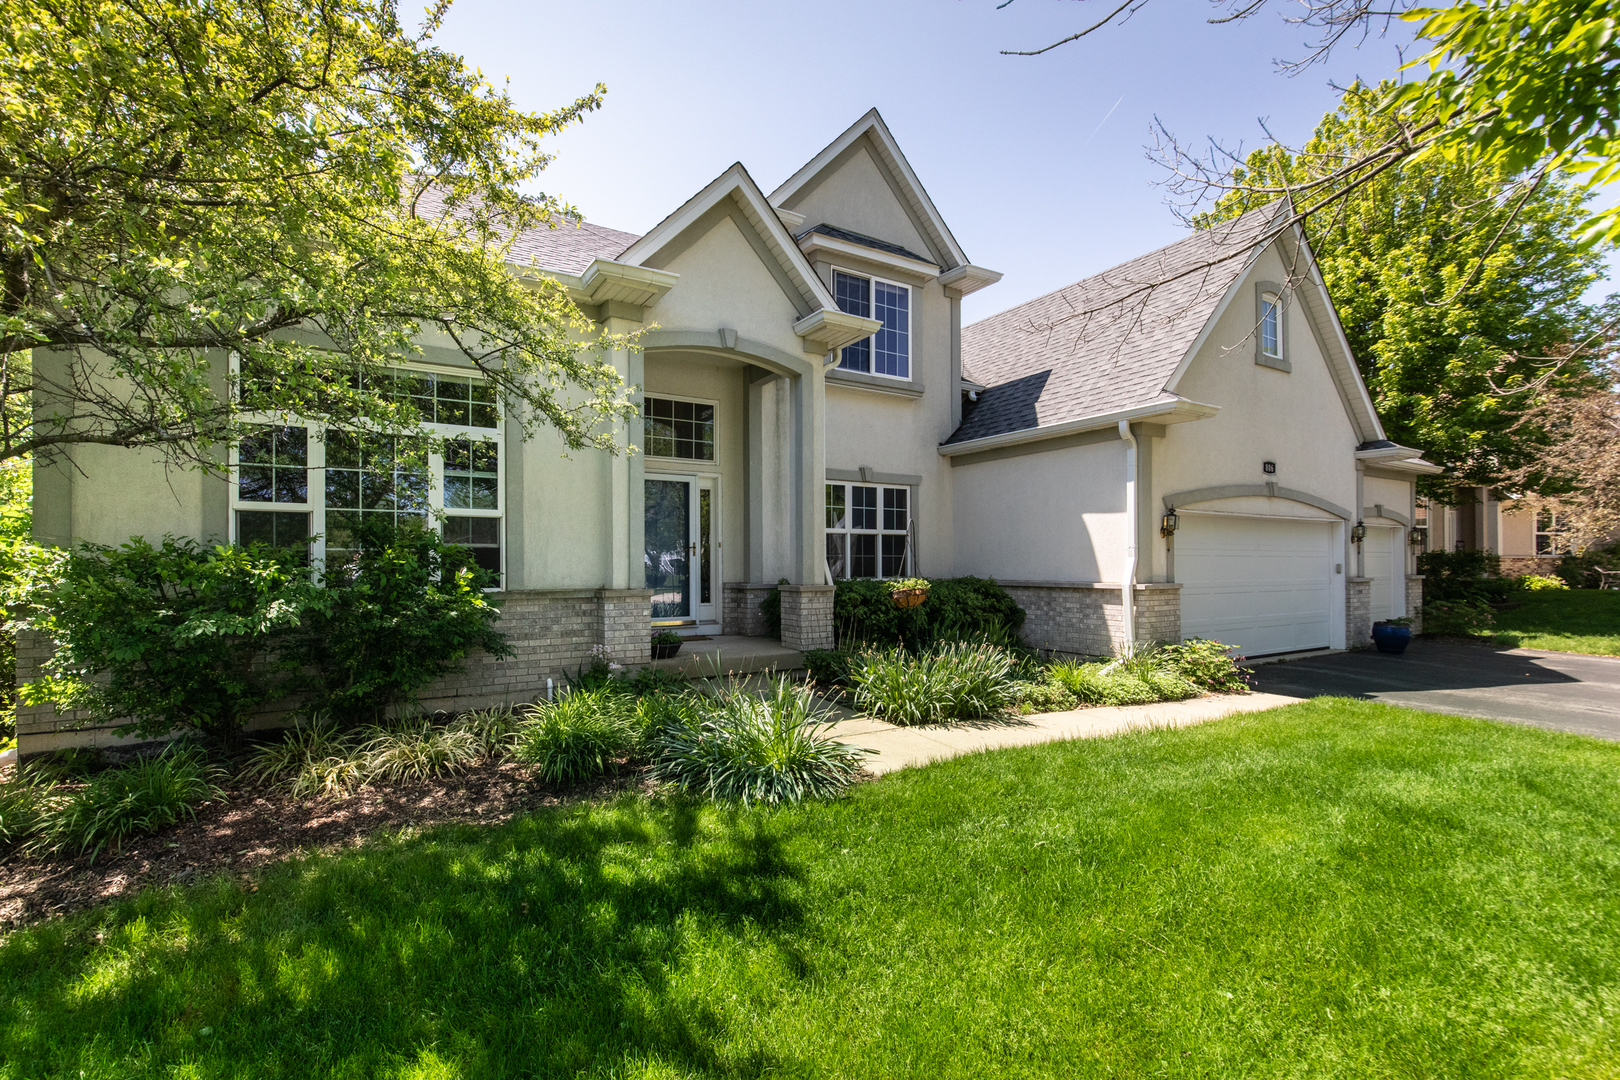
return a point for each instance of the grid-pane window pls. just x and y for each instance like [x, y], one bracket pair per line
[887, 352]
[481, 534]
[373, 478]
[1550, 534]
[678, 429]
[891, 346]
[457, 400]
[1270, 337]
[272, 528]
[472, 475]
[854, 297]
[272, 466]
[868, 531]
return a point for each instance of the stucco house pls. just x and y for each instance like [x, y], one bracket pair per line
[813, 409]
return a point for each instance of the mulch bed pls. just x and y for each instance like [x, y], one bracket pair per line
[254, 827]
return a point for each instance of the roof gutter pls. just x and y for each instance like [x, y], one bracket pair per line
[1179, 411]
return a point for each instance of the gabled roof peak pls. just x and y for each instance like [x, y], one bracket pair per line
[889, 156]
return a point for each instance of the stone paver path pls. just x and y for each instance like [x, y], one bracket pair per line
[900, 747]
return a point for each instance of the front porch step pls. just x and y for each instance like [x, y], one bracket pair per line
[729, 654]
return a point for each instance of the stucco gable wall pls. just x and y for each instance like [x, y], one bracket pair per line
[724, 283]
[1296, 419]
[856, 194]
[1058, 515]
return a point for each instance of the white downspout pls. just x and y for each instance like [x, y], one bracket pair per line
[1127, 590]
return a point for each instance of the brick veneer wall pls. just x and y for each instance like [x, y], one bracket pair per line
[551, 632]
[740, 613]
[1086, 618]
[1519, 565]
[1414, 602]
[807, 616]
[1357, 613]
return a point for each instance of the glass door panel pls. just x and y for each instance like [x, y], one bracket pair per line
[708, 548]
[669, 548]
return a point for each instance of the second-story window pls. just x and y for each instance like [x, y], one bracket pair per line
[1270, 327]
[887, 352]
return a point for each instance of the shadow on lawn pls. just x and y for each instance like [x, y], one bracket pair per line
[541, 947]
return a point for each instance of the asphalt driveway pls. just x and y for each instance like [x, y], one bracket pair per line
[1561, 691]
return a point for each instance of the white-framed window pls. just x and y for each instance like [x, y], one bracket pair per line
[868, 531]
[887, 352]
[677, 428]
[1551, 534]
[1270, 326]
[298, 485]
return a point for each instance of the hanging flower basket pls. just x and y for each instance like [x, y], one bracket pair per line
[908, 593]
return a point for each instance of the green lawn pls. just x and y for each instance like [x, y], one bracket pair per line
[1580, 620]
[1333, 889]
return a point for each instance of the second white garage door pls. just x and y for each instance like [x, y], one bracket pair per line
[1264, 585]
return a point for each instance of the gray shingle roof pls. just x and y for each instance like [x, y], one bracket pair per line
[863, 240]
[568, 248]
[1108, 342]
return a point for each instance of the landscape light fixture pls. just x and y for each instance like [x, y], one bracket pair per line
[1169, 523]
[1358, 532]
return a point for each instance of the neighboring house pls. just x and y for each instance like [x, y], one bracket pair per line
[1529, 541]
[807, 417]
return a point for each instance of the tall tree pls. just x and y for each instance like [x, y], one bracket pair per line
[1456, 286]
[302, 184]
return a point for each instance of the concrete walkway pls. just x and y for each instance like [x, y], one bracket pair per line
[900, 747]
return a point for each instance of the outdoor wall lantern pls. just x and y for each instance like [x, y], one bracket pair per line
[1169, 524]
[1418, 537]
[1358, 533]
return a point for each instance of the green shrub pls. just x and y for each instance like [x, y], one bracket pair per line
[416, 750]
[148, 795]
[20, 810]
[1473, 576]
[1581, 571]
[957, 609]
[829, 668]
[494, 730]
[408, 608]
[581, 735]
[949, 682]
[771, 608]
[1095, 684]
[650, 680]
[749, 748]
[177, 636]
[1208, 665]
[1542, 583]
[1042, 697]
[1457, 617]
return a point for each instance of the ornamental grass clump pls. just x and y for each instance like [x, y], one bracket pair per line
[949, 682]
[769, 748]
[495, 730]
[582, 735]
[115, 805]
[415, 750]
[310, 762]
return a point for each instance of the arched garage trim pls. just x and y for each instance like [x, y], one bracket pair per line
[1238, 491]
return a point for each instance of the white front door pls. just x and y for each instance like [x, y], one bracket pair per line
[682, 551]
[1264, 585]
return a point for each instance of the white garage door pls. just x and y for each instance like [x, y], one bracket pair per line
[1384, 558]
[1264, 585]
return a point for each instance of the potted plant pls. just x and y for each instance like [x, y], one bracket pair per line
[665, 644]
[1392, 635]
[908, 592]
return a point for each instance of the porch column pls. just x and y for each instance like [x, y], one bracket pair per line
[809, 470]
[626, 472]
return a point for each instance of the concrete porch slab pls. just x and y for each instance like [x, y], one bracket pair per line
[730, 654]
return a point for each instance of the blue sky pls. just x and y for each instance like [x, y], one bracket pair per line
[1038, 164]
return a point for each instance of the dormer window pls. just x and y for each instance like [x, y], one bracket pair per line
[1270, 327]
[887, 352]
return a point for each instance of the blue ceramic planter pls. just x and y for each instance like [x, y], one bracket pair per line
[1391, 639]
